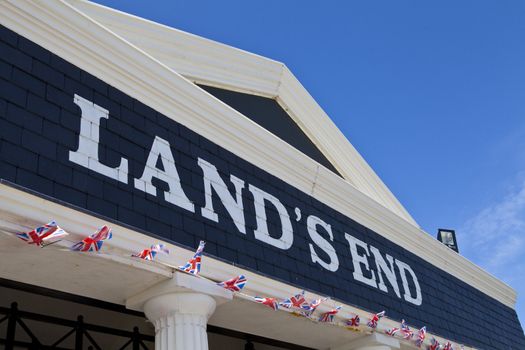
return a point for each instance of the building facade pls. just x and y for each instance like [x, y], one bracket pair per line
[109, 119]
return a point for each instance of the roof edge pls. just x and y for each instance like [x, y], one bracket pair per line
[66, 31]
[211, 63]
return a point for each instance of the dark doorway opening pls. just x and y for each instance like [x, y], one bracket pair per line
[21, 327]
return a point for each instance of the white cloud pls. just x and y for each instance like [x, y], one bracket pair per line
[495, 240]
[495, 237]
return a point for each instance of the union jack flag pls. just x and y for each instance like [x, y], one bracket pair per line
[329, 315]
[393, 331]
[353, 322]
[448, 346]
[149, 254]
[309, 309]
[434, 345]
[42, 234]
[146, 254]
[407, 332]
[421, 334]
[270, 302]
[235, 284]
[94, 242]
[193, 266]
[297, 301]
[372, 322]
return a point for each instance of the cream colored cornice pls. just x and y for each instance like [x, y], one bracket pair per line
[66, 31]
[198, 59]
[208, 62]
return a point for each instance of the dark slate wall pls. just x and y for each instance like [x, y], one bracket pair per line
[269, 114]
[39, 124]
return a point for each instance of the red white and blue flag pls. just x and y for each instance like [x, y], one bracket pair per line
[94, 242]
[406, 331]
[434, 345]
[353, 322]
[149, 254]
[421, 334]
[43, 235]
[235, 284]
[309, 309]
[193, 266]
[270, 302]
[374, 320]
[393, 331]
[298, 301]
[146, 254]
[160, 248]
[329, 315]
[448, 346]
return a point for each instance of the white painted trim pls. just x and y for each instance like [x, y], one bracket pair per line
[180, 282]
[198, 59]
[77, 38]
[21, 211]
[207, 62]
[324, 133]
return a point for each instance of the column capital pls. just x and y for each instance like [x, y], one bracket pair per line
[180, 308]
[180, 283]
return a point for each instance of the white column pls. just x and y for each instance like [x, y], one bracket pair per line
[179, 309]
[180, 320]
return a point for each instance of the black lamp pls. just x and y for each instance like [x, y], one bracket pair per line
[448, 238]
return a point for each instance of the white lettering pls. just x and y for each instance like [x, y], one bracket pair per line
[320, 232]
[383, 267]
[403, 268]
[359, 260]
[311, 223]
[261, 233]
[87, 153]
[175, 195]
[233, 206]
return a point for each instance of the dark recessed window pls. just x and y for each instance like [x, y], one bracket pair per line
[268, 113]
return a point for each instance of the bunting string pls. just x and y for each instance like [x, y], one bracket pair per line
[151, 253]
[297, 305]
[93, 243]
[43, 235]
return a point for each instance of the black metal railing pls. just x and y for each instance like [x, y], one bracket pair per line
[79, 329]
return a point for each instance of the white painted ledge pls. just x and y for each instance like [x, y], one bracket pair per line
[374, 341]
[180, 283]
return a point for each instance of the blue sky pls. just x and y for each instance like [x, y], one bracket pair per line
[432, 94]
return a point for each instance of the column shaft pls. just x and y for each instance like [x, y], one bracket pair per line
[180, 320]
[179, 308]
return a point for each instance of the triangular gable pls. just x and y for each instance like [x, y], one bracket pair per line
[209, 63]
[89, 45]
[267, 113]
